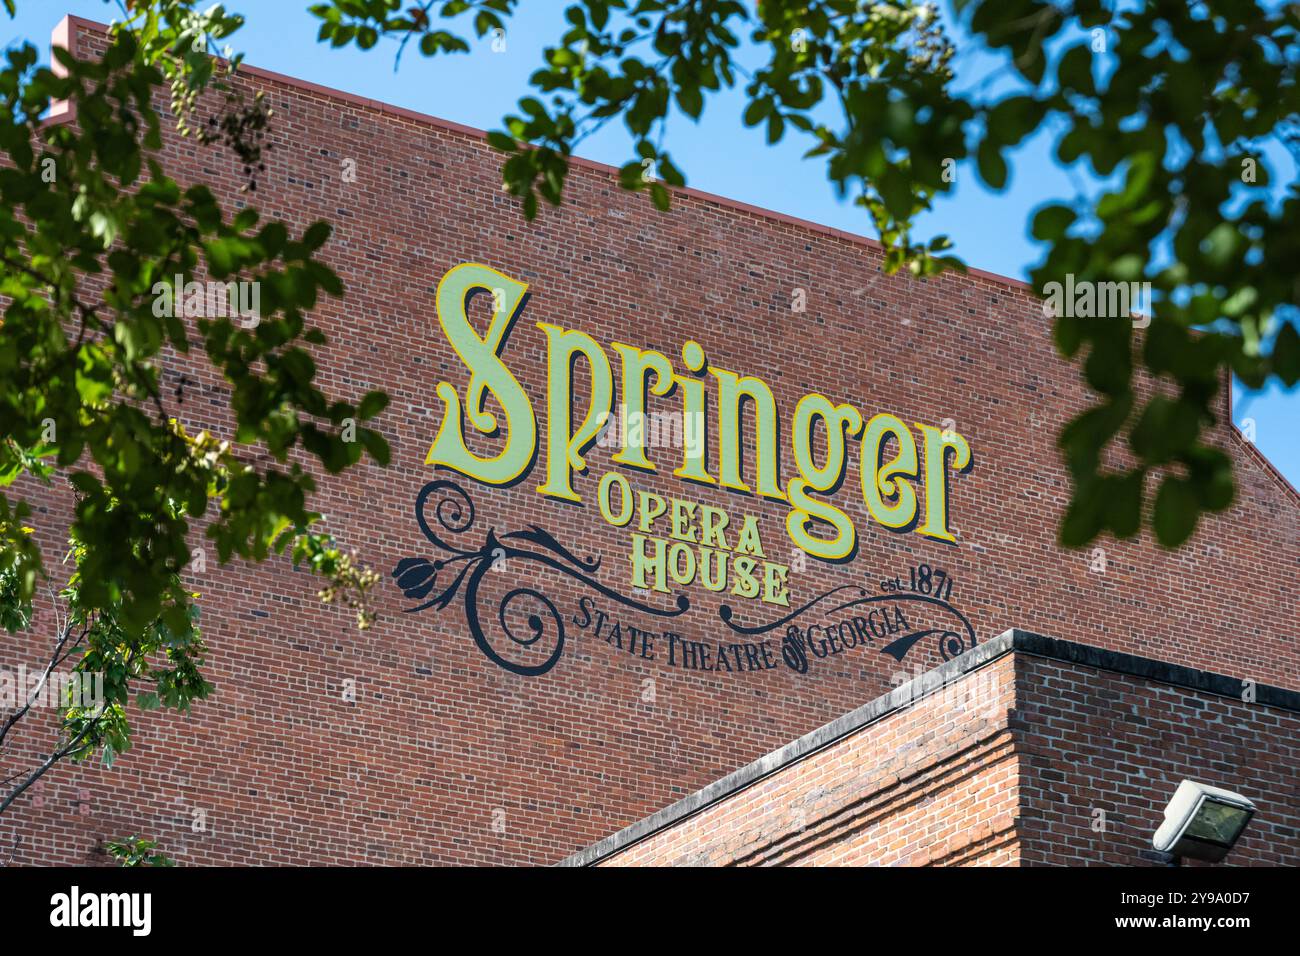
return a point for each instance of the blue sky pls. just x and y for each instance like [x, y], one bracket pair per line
[718, 155]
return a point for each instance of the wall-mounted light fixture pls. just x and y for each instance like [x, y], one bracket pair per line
[1202, 822]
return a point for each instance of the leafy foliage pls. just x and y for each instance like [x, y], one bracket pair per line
[1182, 120]
[93, 232]
[137, 851]
[109, 662]
[348, 579]
[155, 667]
[90, 226]
[1176, 102]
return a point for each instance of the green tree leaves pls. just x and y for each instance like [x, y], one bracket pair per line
[1186, 141]
[99, 281]
[1286, 355]
[137, 851]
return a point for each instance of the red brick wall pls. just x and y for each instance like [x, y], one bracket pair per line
[445, 757]
[1102, 753]
[1026, 761]
[934, 784]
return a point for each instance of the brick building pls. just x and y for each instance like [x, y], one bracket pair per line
[625, 647]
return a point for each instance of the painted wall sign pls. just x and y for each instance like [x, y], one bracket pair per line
[673, 542]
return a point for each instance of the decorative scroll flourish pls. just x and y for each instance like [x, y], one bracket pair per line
[951, 641]
[525, 617]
